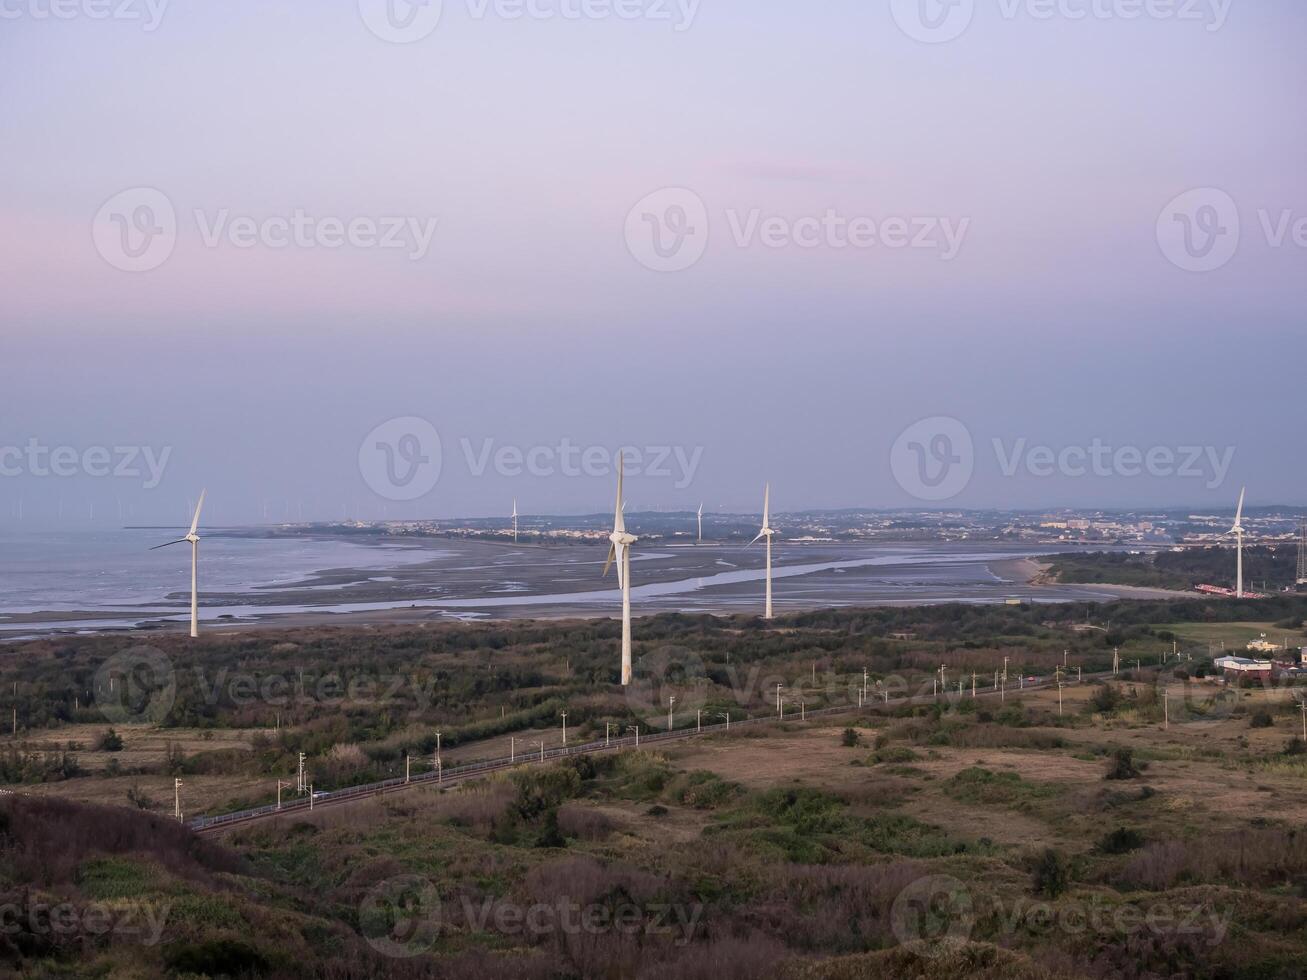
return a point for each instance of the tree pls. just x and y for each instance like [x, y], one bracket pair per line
[850, 738]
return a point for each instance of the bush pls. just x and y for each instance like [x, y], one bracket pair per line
[1261, 719]
[218, 957]
[1051, 875]
[850, 738]
[110, 741]
[1123, 840]
[1123, 765]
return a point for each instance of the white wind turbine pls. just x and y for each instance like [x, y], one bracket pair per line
[766, 532]
[620, 550]
[700, 540]
[1237, 530]
[194, 540]
[514, 520]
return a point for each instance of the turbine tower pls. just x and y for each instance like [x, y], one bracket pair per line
[1302, 552]
[767, 533]
[1237, 530]
[514, 520]
[700, 539]
[194, 540]
[620, 550]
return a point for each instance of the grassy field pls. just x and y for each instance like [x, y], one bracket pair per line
[1147, 827]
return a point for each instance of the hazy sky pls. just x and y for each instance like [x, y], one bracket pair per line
[987, 229]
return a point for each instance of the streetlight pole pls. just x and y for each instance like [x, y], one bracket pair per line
[698, 721]
[177, 798]
[564, 727]
[779, 709]
[671, 705]
[637, 735]
[727, 716]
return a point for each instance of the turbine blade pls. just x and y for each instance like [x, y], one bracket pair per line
[1238, 516]
[619, 522]
[169, 544]
[753, 542]
[195, 521]
[766, 506]
[612, 553]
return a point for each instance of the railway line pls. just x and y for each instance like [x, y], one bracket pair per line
[456, 775]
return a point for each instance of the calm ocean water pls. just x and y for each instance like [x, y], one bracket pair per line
[88, 570]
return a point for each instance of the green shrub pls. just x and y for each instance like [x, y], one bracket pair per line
[1051, 876]
[1123, 840]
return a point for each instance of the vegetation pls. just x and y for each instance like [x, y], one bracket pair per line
[1274, 565]
[790, 850]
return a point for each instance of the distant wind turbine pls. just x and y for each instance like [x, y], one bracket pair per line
[1237, 530]
[194, 540]
[700, 541]
[620, 550]
[514, 520]
[767, 533]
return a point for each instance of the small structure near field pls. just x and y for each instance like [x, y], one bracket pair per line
[1243, 667]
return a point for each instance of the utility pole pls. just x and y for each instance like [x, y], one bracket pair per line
[1005, 660]
[803, 711]
[1059, 699]
[279, 785]
[727, 716]
[301, 784]
[864, 683]
[310, 797]
[637, 735]
[671, 705]
[542, 751]
[1303, 705]
[1166, 710]
[408, 767]
[698, 721]
[1116, 661]
[512, 748]
[607, 737]
[564, 727]
[814, 673]
[973, 683]
[779, 710]
[176, 798]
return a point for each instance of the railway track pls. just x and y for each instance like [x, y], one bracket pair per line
[454, 776]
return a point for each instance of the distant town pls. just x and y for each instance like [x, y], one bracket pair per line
[1161, 528]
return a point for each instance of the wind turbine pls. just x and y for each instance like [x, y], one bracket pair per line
[766, 532]
[514, 520]
[194, 540]
[700, 540]
[1237, 530]
[620, 550]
